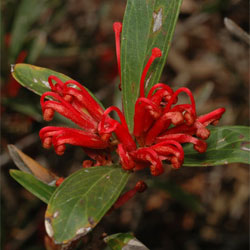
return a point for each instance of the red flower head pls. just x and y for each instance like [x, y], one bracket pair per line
[74, 102]
[161, 125]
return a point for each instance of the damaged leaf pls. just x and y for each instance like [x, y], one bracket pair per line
[146, 24]
[82, 200]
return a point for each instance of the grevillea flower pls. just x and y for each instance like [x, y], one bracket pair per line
[74, 102]
[161, 125]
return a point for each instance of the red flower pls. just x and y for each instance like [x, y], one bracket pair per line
[73, 101]
[161, 125]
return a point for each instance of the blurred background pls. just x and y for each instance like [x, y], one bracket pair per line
[189, 209]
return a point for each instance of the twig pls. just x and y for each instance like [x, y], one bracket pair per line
[236, 30]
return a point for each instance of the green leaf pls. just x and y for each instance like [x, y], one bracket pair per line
[36, 187]
[146, 24]
[228, 144]
[35, 78]
[28, 12]
[82, 200]
[124, 241]
[37, 46]
[24, 106]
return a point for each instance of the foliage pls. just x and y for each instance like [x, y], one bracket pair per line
[83, 198]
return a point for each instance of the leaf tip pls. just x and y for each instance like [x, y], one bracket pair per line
[12, 172]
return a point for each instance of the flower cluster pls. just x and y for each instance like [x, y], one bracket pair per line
[161, 125]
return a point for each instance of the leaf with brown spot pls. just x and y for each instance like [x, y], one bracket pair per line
[146, 24]
[82, 200]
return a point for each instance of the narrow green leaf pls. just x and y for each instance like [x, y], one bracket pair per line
[33, 185]
[124, 241]
[37, 46]
[146, 24]
[28, 12]
[24, 106]
[227, 144]
[35, 78]
[82, 200]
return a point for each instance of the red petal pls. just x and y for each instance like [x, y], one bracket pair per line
[156, 52]
[199, 145]
[211, 117]
[126, 161]
[109, 125]
[171, 147]
[162, 93]
[67, 110]
[162, 124]
[84, 97]
[145, 113]
[149, 155]
[56, 87]
[61, 136]
[176, 93]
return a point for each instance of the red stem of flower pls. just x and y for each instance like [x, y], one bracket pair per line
[145, 112]
[54, 87]
[212, 116]
[199, 145]
[120, 114]
[148, 155]
[156, 52]
[126, 161]
[176, 93]
[176, 160]
[171, 142]
[117, 27]
[162, 124]
[120, 129]
[159, 86]
[86, 99]
[140, 187]
[66, 109]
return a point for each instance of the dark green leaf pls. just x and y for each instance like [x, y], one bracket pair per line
[123, 241]
[28, 12]
[36, 187]
[36, 78]
[228, 144]
[24, 106]
[146, 24]
[82, 200]
[37, 46]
